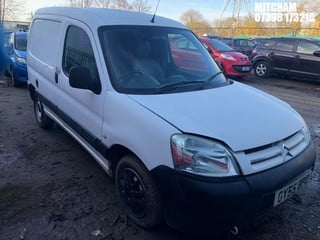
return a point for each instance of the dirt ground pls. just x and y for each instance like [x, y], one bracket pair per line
[50, 188]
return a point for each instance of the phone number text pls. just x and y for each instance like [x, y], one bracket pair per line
[285, 17]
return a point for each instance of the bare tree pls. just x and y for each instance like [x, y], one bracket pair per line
[115, 4]
[9, 9]
[122, 4]
[195, 21]
[2, 7]
[104, 3]
[135, 5]
[81, 3]
[140, 6]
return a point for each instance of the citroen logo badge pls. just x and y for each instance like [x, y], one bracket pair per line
[285, 152]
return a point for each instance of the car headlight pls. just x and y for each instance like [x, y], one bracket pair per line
[227, 56]
[306, 132]
[202, 156]
[21, 60]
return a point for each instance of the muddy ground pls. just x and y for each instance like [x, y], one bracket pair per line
[50, 188]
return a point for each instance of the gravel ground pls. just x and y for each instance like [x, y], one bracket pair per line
[50, 188]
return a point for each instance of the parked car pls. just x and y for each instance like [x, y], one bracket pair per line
[233, 63]
[15, 63]
[184, 144]
[185, 54]
[258, 40]
[242, 45]
[293, 57]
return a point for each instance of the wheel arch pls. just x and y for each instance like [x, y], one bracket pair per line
[32, 91]
[116, 152]
[260, 59]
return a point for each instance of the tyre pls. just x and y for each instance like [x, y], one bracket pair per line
[42, 119]
[6, 73]
[262, 69]
[138, 194]
[14, 81]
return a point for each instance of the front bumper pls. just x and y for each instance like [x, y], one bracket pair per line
[20, 73]
[204, 205]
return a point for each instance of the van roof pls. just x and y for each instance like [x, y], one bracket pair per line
[96, 17]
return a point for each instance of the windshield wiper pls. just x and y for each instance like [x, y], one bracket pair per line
[173, 86]
[213, 76]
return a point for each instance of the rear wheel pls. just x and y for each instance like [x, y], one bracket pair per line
[138, 193]
[42, 119]
[262, 69]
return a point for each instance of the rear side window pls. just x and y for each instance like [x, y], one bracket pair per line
[78, 52]
[44, 41]
[241, 42]
[307, 47]
[285, 45]
[269, 44]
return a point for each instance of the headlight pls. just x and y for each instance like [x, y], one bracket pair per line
[202, 156]
[306, 133]
[227, 56]
[21, 60]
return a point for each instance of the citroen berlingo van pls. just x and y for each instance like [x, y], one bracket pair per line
[143, 96]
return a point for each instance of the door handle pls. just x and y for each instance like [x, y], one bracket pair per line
[56, 75]
[56, 79]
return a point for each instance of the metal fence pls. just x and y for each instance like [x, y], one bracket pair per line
[259, 32]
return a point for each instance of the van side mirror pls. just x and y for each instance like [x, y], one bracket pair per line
[80, 77]
[316, 53]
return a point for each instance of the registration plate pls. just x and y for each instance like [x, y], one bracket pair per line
[245, 69]
[289, 190]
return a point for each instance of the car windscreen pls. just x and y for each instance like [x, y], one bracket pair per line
[220, 46]
[21, 42]
[156, 60]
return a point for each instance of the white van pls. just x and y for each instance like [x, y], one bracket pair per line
[146, 100]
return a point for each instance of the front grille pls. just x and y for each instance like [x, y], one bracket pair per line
[271, 155]
[242, 68]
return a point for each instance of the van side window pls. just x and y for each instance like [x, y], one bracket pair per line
[78, 52]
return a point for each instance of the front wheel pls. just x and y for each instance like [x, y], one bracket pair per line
[262, 69]
[42, 119]
[14, 81]
[138, 193]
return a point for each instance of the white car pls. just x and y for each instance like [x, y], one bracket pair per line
[184, 143]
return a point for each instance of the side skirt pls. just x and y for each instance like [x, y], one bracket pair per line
[102, 161]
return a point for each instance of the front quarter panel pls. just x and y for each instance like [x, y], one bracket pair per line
[131, 125]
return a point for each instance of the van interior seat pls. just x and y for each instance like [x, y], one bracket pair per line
[146, 63]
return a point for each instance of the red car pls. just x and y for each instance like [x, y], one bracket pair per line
[234, 64]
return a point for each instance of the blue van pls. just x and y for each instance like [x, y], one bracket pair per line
[16, 64]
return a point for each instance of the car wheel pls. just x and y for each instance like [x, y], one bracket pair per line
[138, 194]
[42, 119]
[262, 69]
[14, 81]
[6, 73]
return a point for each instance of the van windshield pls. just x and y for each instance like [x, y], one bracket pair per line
[156, 60]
